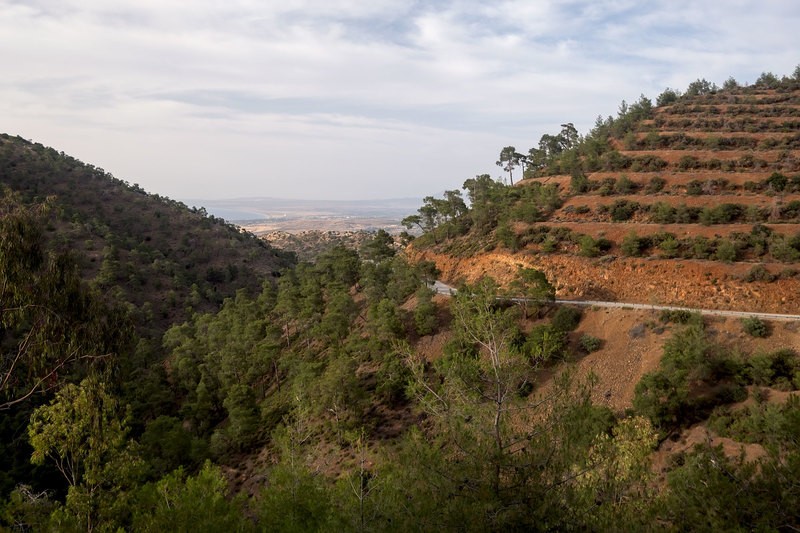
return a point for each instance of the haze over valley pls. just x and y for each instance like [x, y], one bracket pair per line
[260, 215]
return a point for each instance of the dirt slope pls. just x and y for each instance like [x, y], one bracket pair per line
[691, 283]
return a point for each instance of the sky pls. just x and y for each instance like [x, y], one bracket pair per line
[352, 99]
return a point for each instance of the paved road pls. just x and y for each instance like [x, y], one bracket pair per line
[443, 288]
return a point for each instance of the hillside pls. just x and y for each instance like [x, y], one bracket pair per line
[692, 202]
[94, 271]
[166, 259]
[346, 395]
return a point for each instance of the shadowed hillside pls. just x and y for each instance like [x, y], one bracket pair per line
[166, 259]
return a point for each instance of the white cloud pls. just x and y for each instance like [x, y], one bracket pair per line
[346, 98]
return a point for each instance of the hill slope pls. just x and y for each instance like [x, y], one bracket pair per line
[166, 259]
[693, 202]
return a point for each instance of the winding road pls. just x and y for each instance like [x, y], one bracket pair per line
[442, 288]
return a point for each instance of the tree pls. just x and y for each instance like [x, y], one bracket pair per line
[193, 503]
[669, 96]
[338, 265]
[509, 160]
[50, 321]
[384, 321]
[379, 247]
[531, 288]
[359, 491]
[81, 432]
[730, 84]
[242, 429]
[413, 220]
[552, 147]
[425, 318]
[487, 198]
[340, 310]
[767, 80]
[701, 86]
[484, 387]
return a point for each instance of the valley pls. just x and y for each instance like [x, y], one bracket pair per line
[513, 357]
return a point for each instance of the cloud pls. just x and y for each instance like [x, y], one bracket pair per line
[342, 98]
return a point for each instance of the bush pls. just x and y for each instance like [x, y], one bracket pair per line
[755, 327]
[622, 210]
[726, 251]
[670, 247]
[579, 183]
[656, 185]
[632, 245]
[677, 316]
[662, 213]
[694, 188]
[688, 162]
[545, 343]
[507, 237]
[759, 273]
[607, 187]
[774, 368]
[425, 319]
[777, 182]
[588, 246]
[566, 318]
[624, 185]
[589, 343]
[648, 163]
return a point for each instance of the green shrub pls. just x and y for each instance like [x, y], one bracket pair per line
[726, 251]
[694, 188]
[632, 245]
[755, 327]
[549, 244]
[759, 273]
[670, 247]
[588, 246]
[622, 210]
[566, 318]
[688, 162]
[791, 210]
[662, 213]
[777, 182]
[579, 183]
[507, 236]
[589, 343]
[607, 187]
[656, 185]
[693, 378]
[676, 316]
[624, 185]
[545, 343]
[425, 320]
[773, 368]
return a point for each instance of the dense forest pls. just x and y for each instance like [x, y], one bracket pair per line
[161, 370]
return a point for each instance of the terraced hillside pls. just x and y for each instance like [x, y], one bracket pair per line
[694, 202]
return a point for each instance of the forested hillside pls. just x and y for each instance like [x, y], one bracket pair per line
[345, 395]
[149, 247]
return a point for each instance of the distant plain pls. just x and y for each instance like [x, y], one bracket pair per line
[263, 215]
